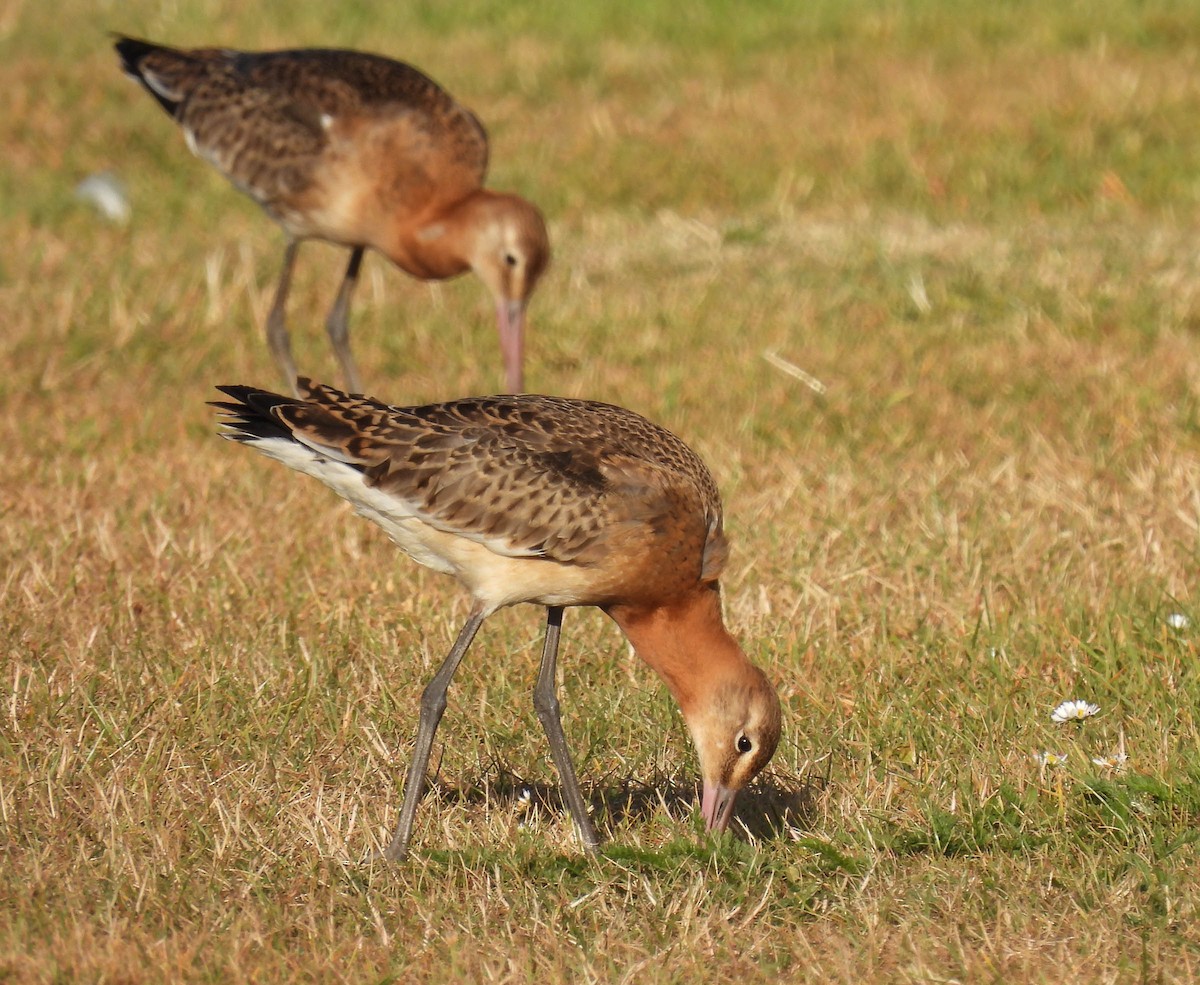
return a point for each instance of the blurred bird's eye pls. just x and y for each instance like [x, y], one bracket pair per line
[744, 744]
[510, 259]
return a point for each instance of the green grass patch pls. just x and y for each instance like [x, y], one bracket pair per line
[964, 487]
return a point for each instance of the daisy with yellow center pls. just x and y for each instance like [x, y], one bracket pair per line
[1074, 711]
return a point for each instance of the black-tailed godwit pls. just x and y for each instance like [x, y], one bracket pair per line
[359, 150]
[559, 502]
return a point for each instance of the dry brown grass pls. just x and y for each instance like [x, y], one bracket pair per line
[980, 238]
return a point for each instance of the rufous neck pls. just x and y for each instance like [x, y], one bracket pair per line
[686, 643]
[441, 243]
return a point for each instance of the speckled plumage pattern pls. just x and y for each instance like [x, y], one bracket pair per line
[536, 476]
[358, 150]
[560, 502]
[264, 119]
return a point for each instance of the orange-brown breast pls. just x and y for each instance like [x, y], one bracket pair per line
[338, 144]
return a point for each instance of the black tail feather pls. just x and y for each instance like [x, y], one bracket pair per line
[132, 51]
[250, 415]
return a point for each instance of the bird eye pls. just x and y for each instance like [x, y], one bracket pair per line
[510, 259]
[744, 744]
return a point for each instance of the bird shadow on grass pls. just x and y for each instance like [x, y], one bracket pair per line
[773, 805]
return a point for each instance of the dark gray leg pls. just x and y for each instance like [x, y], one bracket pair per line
[433, 703]
[277, 333]
[545, 701]
[338, 322]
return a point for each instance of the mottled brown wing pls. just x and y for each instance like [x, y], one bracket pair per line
[262, 138]
[527, 475]
[337, 81]
[263, 118]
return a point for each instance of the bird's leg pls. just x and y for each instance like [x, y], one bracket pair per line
[277, 333]
[545, 701]
[338, 322]
[433, 703]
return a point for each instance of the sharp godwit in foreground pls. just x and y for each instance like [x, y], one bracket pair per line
[548, 500]
[358, 150]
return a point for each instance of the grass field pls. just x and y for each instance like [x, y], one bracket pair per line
[978, 226]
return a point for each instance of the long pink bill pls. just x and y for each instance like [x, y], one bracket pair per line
[510, 318]
[716, 805]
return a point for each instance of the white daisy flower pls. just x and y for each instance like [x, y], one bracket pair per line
[523, 804]
[1074, 711]
[1177, 620]
[1049, 758]
[1115, 761]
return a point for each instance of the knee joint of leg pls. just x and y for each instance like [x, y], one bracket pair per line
[433, 700]
[545, 702]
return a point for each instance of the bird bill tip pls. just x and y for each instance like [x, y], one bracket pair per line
[716, 805]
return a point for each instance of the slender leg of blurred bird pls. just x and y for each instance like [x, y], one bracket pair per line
[545, 701]
[433, 703]
[338, 322]
[277, 333]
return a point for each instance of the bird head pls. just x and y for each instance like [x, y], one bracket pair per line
[510, 253]
[735, 730]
